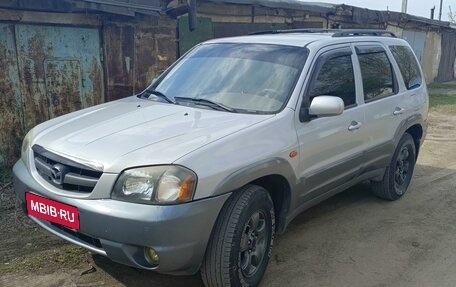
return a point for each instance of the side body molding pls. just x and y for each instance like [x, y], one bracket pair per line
[380, 156]
[290, 208]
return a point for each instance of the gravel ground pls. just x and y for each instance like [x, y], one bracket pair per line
[352, 239]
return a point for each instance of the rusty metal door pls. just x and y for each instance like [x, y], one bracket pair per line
[60, 70]
[45, 71]
[11, 112]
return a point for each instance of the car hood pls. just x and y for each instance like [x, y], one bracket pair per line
[137, 132]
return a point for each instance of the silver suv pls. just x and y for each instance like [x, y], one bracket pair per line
[226, 147]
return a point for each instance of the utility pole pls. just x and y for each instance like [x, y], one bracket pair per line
[440, 12]
[404, 6]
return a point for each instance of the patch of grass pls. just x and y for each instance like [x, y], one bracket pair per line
[448, 85]
[5, 175]
[443, 103]
[67, 256]
[436, 100]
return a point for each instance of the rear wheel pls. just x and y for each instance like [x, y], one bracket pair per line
[240, 246]
[400, 171]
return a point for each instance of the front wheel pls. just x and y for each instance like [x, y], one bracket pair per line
[240, 245]
[400, 171]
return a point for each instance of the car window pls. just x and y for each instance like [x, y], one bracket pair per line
[336, 78]
[377, 73]
[408, 66]
[251, 78]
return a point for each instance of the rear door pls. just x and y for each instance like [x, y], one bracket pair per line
[411, 81]
[384, 103]
[331, 148]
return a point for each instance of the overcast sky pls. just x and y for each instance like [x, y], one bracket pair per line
[414, 7]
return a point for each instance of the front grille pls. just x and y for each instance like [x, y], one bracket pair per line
[64, 173]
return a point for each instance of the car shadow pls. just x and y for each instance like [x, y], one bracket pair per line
[130, 276]
[358, 199]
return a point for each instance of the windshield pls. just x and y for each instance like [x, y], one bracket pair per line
[244, 77]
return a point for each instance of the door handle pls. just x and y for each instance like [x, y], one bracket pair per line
[354, 126]
[398, 111]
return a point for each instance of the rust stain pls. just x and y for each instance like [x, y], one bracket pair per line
[162, 58]
[11, 131]
[151, 48]
[97, 83]
[57, 70]
[63, 78]
[144, 58]
[38, 52]
[32, 56]
[119, 43]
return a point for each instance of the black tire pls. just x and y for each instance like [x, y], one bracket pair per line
[400, 171]
[225, 263]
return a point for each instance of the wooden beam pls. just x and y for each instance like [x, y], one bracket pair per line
[76, 19]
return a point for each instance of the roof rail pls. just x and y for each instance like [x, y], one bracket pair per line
[363, 32]
[335, 32]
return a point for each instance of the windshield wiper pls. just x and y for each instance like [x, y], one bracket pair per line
[208, 103]
[160, 95]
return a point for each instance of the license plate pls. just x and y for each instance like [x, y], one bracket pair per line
[51, 210]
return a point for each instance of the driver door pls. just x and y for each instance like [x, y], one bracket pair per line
[331, 148]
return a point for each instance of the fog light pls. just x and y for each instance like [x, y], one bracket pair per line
[151, 256]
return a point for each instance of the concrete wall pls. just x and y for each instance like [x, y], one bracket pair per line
[432, 54]
[396, 30]
[432, 51]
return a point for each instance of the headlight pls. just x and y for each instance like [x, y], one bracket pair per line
[25, 146]
[155, 185]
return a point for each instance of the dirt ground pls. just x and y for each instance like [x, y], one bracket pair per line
[352, 239]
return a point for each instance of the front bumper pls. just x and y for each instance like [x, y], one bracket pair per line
[121, 230]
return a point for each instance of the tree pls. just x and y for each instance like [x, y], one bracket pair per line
[452, 16]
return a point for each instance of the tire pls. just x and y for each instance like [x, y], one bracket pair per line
[235, 256]
[400, 171]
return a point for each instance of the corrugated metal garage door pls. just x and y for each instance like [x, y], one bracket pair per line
[51, 70]
[60, 70]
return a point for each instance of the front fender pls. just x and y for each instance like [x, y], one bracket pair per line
[245, 175]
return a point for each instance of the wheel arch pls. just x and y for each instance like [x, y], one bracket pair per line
[416, 131]
[275, 175]
[280, 192]
[414, 125]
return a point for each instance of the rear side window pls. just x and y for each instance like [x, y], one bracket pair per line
[336, 78]
[377, 73]
[408, 66]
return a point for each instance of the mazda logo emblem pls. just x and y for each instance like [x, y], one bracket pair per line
[58, 172]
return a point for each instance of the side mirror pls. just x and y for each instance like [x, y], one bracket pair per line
[326, 106]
